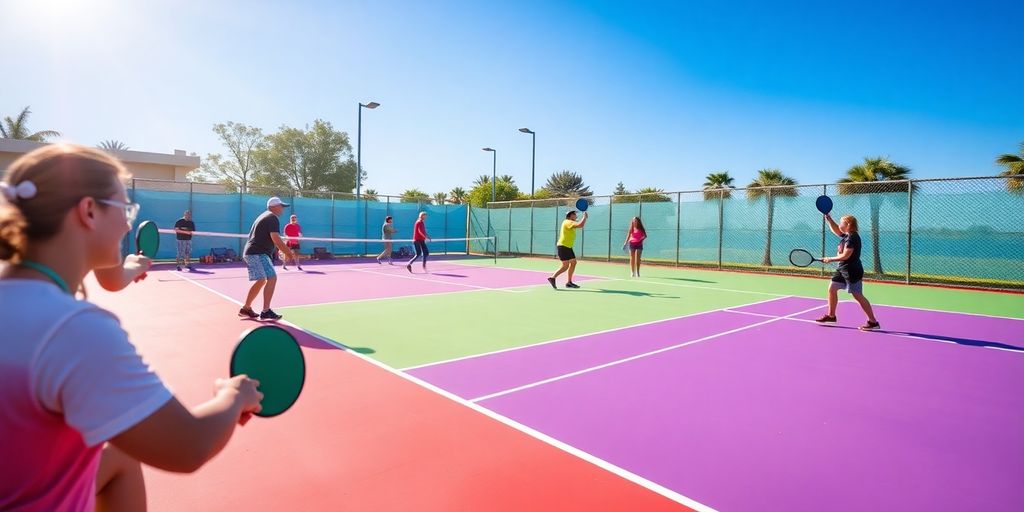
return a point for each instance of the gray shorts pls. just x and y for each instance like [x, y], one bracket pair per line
[184, 249]
[260, 267]
[857, 287]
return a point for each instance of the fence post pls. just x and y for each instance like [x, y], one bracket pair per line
[721, 218]
[446, 235]
[532, 205]
[366, 223]
[824, 192]
[557, 227]
[190, 196]
[679, 212]
[241, 212]
[510, 227]
[910, 223]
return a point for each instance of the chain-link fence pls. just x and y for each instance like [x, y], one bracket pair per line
[223, 209]
[958, 231]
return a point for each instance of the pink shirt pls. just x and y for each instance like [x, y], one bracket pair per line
[419, 232]
[70, 381]
[636, 236]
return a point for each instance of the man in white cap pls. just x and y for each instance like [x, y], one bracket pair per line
[264, 236]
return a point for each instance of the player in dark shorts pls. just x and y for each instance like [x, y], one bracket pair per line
[850, 272]
[566, 239]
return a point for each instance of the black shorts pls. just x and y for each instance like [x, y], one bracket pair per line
[294, 247]
[565, 253]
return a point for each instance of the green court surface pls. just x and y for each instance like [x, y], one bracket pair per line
[409, 331]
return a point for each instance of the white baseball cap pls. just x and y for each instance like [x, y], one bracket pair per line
[276, 201]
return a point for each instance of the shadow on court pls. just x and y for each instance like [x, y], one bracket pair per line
[624, 292]
[447, 275]
[687, 279]
[938, 337]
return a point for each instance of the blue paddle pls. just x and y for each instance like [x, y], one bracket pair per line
[824, 204]
[582, 204]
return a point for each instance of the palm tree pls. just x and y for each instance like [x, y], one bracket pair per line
[770, 183]
[718, 185]
[457, 195]
[652, 195]
[18, 129]
[370, 194]
[440, 198]
[414, 195]
[483, 179]
[507, 178]
[874, 177]
[113, 145]
[1014, 165]
[567, 184]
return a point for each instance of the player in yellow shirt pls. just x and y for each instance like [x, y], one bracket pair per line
[566, 239]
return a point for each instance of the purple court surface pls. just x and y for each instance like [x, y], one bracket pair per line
[759, 408]
[321, 283]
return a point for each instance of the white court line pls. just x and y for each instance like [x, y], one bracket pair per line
[632, 358]
[519, 289]
[576, 336]
[413, 277]
[536, 434]
[680, 285]
[882, 331]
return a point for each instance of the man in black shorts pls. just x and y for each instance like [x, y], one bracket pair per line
[183, 229]
[566, 239]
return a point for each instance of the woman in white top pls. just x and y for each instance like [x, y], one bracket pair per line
[81, 408]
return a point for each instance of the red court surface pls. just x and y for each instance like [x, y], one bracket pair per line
[360, 437]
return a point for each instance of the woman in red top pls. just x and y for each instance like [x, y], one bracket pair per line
[419, 239]
[635, 240]
[292, 231]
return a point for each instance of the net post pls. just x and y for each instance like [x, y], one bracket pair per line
[910, 223]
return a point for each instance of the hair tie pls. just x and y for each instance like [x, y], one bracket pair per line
[23, 190]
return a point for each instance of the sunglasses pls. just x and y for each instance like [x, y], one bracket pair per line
[131, 210]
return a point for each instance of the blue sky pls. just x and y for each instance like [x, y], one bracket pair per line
[651, 94]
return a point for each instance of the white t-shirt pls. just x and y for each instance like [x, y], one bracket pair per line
[69, 381]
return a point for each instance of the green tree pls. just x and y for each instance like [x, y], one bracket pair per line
[415, 195]
[370, 194]
[17, 128]
[113, 145]
[653, 195]
[567, 184]
[504, 190]
[1013, 166]
[240, 166]
[718, 185]
[457, 195]
[440, 198]
[483, 179]
[770, 184]
[318, 158]
[874, 177]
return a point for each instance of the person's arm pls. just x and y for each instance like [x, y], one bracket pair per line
[845, 255]
[118, 277]
[832, 225]
[581, 222]
[176, 439]
[278, 242]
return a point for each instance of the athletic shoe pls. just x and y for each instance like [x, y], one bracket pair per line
[552, 281]
[284, 267]
[179, 268]
[409, 268]
[378, 261]
[269, 315]
[831, 319]
[189, 267]
[300, 269]
[247, 313]
[870, 326]
[571, 285]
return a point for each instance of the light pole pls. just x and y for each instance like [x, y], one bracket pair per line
[533, 160]
[359, 145]
[494, 170]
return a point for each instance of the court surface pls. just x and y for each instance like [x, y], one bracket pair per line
[478, 387]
